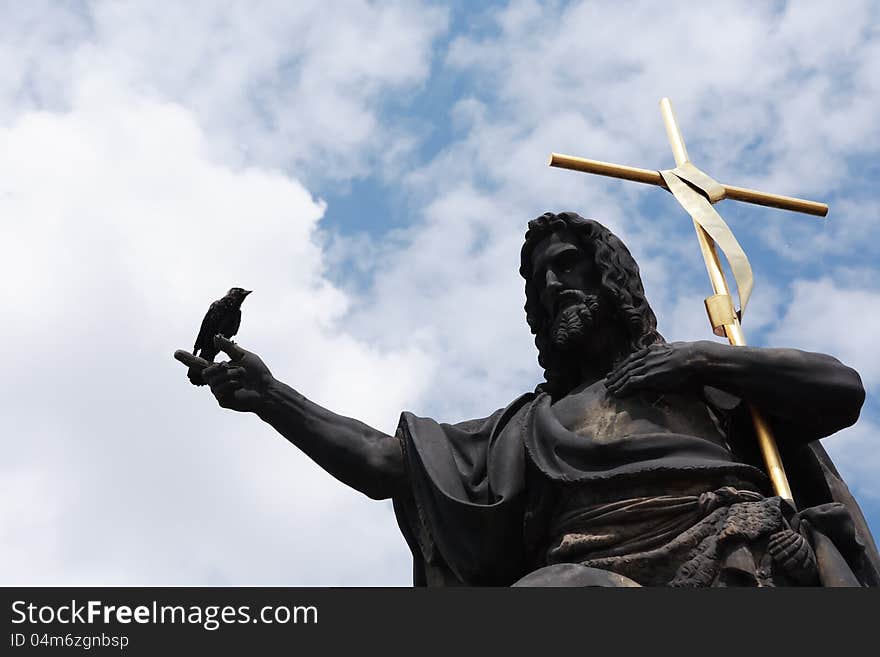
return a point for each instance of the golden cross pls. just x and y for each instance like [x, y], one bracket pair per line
[725, 321]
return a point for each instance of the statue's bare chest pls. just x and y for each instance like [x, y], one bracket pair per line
[597, 415]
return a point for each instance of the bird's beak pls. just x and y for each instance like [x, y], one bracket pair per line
[247, 292]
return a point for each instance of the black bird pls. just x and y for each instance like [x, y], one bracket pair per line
[223, 318]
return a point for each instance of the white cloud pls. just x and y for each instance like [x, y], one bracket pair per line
[854, 451]
[119, 231]
[763, 88]
[842, 321]
[120, 223]
[297, 85]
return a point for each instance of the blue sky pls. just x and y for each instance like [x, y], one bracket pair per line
[369, 169]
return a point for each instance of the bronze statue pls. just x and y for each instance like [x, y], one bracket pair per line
[633, 464]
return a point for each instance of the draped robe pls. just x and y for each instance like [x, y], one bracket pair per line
[489, 498]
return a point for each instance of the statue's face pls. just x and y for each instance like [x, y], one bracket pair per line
[570, 289]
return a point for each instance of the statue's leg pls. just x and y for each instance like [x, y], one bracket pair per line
[573, 574]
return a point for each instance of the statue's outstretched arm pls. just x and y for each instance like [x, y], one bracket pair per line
[355, 453]
[358, 455]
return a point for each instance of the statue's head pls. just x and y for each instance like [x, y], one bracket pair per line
[584, 298]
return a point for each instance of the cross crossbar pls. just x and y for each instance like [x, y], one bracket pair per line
[651, 177]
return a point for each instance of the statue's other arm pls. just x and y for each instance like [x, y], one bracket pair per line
[356, 454]
[814, 393]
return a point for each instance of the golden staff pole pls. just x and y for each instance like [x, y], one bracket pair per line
[654, 178]
[769, 449]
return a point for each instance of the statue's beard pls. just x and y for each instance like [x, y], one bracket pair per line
[574, 320]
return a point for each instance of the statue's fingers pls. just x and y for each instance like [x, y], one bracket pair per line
[614, 375]
[228, 347]
[215, 370]
[786, 555]
[779, 537]
[632, 384]
[785, 545]
[648, 362]
[626, 367]
[640, 368]
[616, 382]
[802, 553]
[640, 353]
[226, 388]
[618, 369]
[224, 374]
[190, 360]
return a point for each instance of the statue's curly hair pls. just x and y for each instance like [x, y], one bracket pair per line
[621, 283]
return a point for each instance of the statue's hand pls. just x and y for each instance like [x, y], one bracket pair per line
[665, 367]
[793, 553]
[241, 383]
